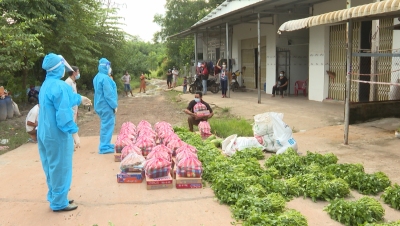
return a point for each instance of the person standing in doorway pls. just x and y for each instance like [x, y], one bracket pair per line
[142, 83]
[127, 83]
[71, 81]
[280, 85]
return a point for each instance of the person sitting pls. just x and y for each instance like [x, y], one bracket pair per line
[33, 95]
[198, 110]
[280, 85]
[31, 123]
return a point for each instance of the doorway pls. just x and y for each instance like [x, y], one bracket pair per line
[365, 61]
[283, 64]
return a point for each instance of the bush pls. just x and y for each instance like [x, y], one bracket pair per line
[391, 196]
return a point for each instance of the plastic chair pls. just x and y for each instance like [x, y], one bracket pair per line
[300, 85]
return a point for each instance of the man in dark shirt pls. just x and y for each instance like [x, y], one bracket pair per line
[193, 118]
[280, 85]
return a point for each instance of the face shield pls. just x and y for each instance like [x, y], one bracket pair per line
[64, 62]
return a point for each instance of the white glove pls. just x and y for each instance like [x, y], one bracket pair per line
[115, 110]
[86, 101]
[77, 140]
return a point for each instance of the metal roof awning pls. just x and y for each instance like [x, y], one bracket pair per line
[368, 11]
[244, 11]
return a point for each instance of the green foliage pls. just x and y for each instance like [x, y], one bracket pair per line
[396, 223]
[322, 160]
[391, 196]
[253, 204]
[224, 127]
[364, 210]
[287, 218]
[249, 153]
[288, 164]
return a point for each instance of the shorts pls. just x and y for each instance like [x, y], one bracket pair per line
[169, 79]
[127, 87]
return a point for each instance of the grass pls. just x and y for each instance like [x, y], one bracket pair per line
[224, 126]
[14, 131]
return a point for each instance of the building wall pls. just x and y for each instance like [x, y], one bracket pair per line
[319, 49]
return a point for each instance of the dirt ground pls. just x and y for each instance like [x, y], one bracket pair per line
[103, 201]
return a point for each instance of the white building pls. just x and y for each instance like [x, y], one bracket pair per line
[304, 54]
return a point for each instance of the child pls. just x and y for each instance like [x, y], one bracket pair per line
[184, 84]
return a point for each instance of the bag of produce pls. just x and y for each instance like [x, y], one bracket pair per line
[185, 154]
[130, 149]
[157, 167]
[148, 133]
[174, 144]
[186, 146]
[159, 154]
[145, 144]
[169, 137]
[189, 167]
[160, 126]
[205, 129]
[143, 125]
[163, 148]
[132, 161]
[122, 141]
[128, 127]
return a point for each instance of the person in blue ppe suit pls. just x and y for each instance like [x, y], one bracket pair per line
[57, 131]
[105, 104]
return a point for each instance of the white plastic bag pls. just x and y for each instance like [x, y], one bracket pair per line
[16, 109]
[282, 134]
[263, 125]
[232, 144]
[269, 142]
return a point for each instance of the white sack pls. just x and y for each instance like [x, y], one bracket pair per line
[282, 134]
[263, 125]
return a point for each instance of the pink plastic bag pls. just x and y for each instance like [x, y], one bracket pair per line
[174, 144]
[189, 167]
[159, 154]
[145, 144]
[130, 149]
[205, 129]
[185, 154]
[186, 146]
[157, 167]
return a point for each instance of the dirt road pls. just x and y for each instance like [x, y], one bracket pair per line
[103, 201]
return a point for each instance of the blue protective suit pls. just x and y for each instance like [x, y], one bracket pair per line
[56, 126]
[105, 102]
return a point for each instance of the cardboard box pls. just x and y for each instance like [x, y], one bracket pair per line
[136, 177]
[186, 182]
[188, 186]
[117, 157]
[159, 183]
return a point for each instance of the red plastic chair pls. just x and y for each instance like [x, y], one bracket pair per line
[300, 85]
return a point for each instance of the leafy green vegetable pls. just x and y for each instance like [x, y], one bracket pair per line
[396, 223]
[364, 210]
[249, 153]
[322, 160]
[288, 218]
[288, 164]
[251, 204]
[391, 196]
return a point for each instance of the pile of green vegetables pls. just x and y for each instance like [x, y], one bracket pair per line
[257, 195]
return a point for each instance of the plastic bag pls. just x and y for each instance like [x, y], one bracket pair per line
[163, 148]
[159, 126]
[16, 109]
[143, 125]
[159, 154]
[174, 144]
[263, 125]
[282, 134]
[205, 129]
[132, 160]
[157, 167]
[122, 141]
[189, 167]
[186, 146]
[233, 143]
[145, 144]
[185, 154]
[130, 149]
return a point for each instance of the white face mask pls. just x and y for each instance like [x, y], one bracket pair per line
[223, 66]
[197, 100]
[280, 74]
